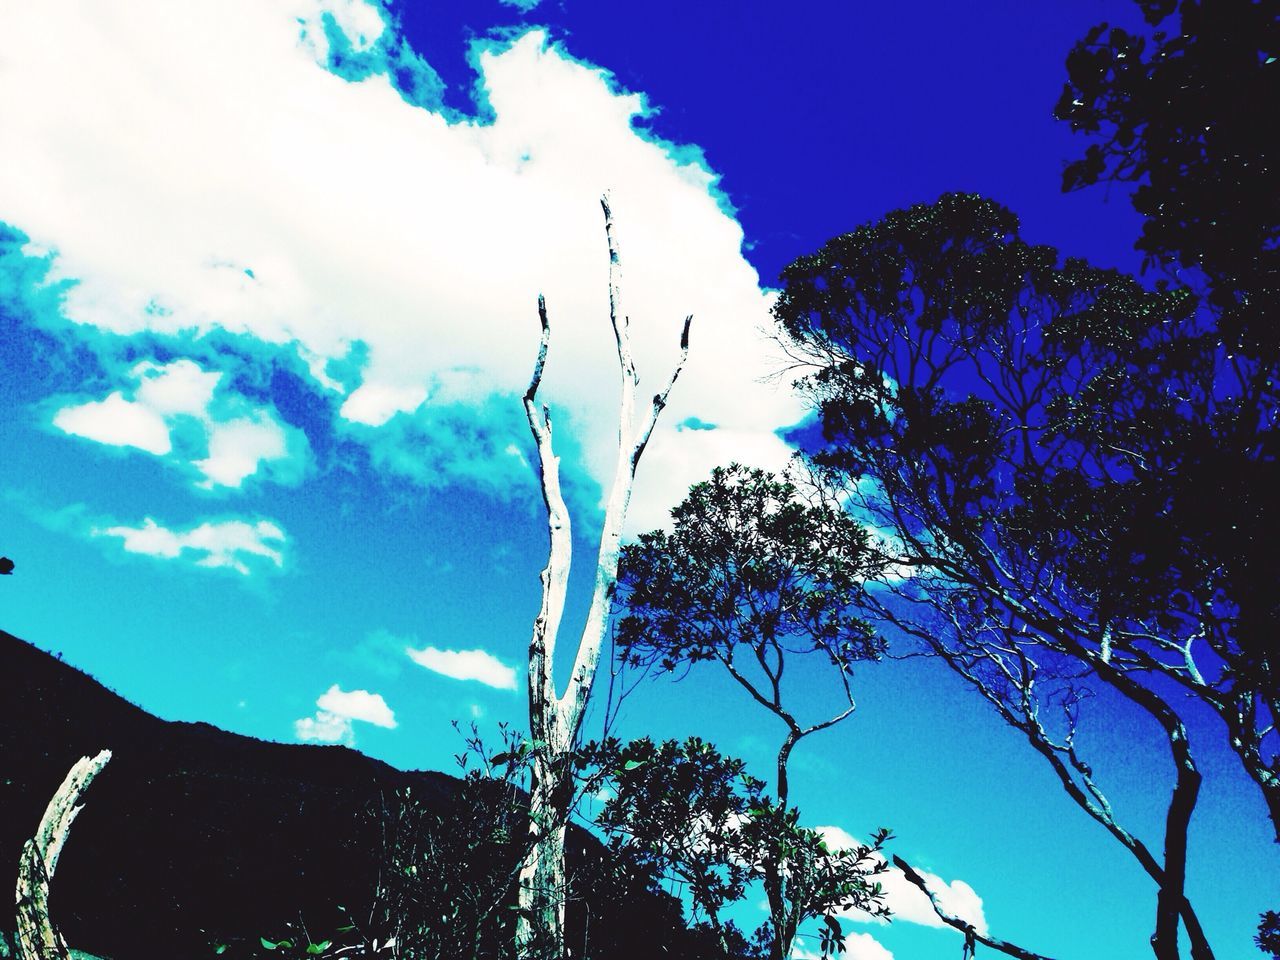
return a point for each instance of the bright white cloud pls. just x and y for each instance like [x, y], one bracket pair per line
[863, 946]
[357, 705]
[907, 901]
[336, 712]
[116, 422]
[236, 446]
[234, 544]
[325, 728]
[466, 665]
[176, 389]
[193, 168]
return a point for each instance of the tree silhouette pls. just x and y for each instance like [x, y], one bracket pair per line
[1180, 114]
[685, 811]
[752, 577]
[1039, 515]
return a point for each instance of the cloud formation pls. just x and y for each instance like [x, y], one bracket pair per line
[336, 712]
[475, 665]
[863, 946]
[231, 182]
[234, 544]
[235, 440]
[907, 901]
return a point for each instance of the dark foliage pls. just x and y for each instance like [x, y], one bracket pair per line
[1268, 937]
[751, 575]
[1076, 456]
[1073, 472]
[755, 573]
[1186, 113]
[693, 816]
[195, 838]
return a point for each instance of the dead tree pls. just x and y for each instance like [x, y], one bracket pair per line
[555, 719]
[38, 939]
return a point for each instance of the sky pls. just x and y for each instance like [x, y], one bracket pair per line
[268, 283]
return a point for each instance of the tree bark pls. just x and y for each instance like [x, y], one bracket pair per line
[38, 938]
[555, 720]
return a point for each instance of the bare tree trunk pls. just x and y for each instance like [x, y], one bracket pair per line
[555, 720]
[38, 939]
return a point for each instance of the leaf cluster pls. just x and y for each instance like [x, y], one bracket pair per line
[1180, 113]
[747, 564]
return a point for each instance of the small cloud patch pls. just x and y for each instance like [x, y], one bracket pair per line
[116, 422]
[863, 946]
[236, 440]
[475, 665]
[235, 544]
[338, 710]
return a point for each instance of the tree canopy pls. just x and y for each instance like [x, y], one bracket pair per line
[1041, 445]
[753, 576]
[1183, 114]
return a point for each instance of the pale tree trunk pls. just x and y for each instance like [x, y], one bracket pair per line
[38, 939]
[555, 720]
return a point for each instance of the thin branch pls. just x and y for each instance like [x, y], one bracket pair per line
[971, 935]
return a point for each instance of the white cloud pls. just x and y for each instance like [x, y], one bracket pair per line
[466, 665]
[236, 446]
[228, 543]
[863, 946]
[179, 388]
[193, 168]
[324, 728]
[907, 901]
[524, 6]
[357, 705]
[336, 712]
[116, 422]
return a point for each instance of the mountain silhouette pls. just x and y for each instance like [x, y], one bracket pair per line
[192, 835]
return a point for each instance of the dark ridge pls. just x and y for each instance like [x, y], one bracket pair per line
[193, 835]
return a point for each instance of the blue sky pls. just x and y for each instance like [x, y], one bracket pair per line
[267, 286]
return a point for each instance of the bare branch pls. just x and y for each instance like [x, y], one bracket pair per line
[971, 935]
[555, 576]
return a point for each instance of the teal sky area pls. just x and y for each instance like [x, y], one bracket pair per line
[268, 276]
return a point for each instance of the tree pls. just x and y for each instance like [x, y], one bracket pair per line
[1177, 114]
[1268, 936]
[750, 577]
[1180, 114]
[687, 812]
[555, 719]
[972, 397]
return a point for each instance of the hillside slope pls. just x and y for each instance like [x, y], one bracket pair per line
[193, 835]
